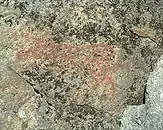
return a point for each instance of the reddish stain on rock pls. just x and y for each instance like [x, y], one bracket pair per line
[98, 60]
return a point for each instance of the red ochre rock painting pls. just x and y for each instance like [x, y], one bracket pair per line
[97, 60]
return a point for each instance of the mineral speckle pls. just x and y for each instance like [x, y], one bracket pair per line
[80, 64]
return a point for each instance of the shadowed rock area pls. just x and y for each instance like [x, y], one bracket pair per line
[80, 64]
[149, 115]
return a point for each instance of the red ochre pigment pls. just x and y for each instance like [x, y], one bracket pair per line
[97, 59]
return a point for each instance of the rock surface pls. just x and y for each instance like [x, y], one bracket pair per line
[77, 64]
[148, 116]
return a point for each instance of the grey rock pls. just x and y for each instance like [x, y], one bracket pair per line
[36, 95]
[148, 116]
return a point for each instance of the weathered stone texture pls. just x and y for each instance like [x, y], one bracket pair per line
[77, 64]
[148, 116]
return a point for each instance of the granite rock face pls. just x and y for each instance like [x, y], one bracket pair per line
[77, 64]
[148, 116]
